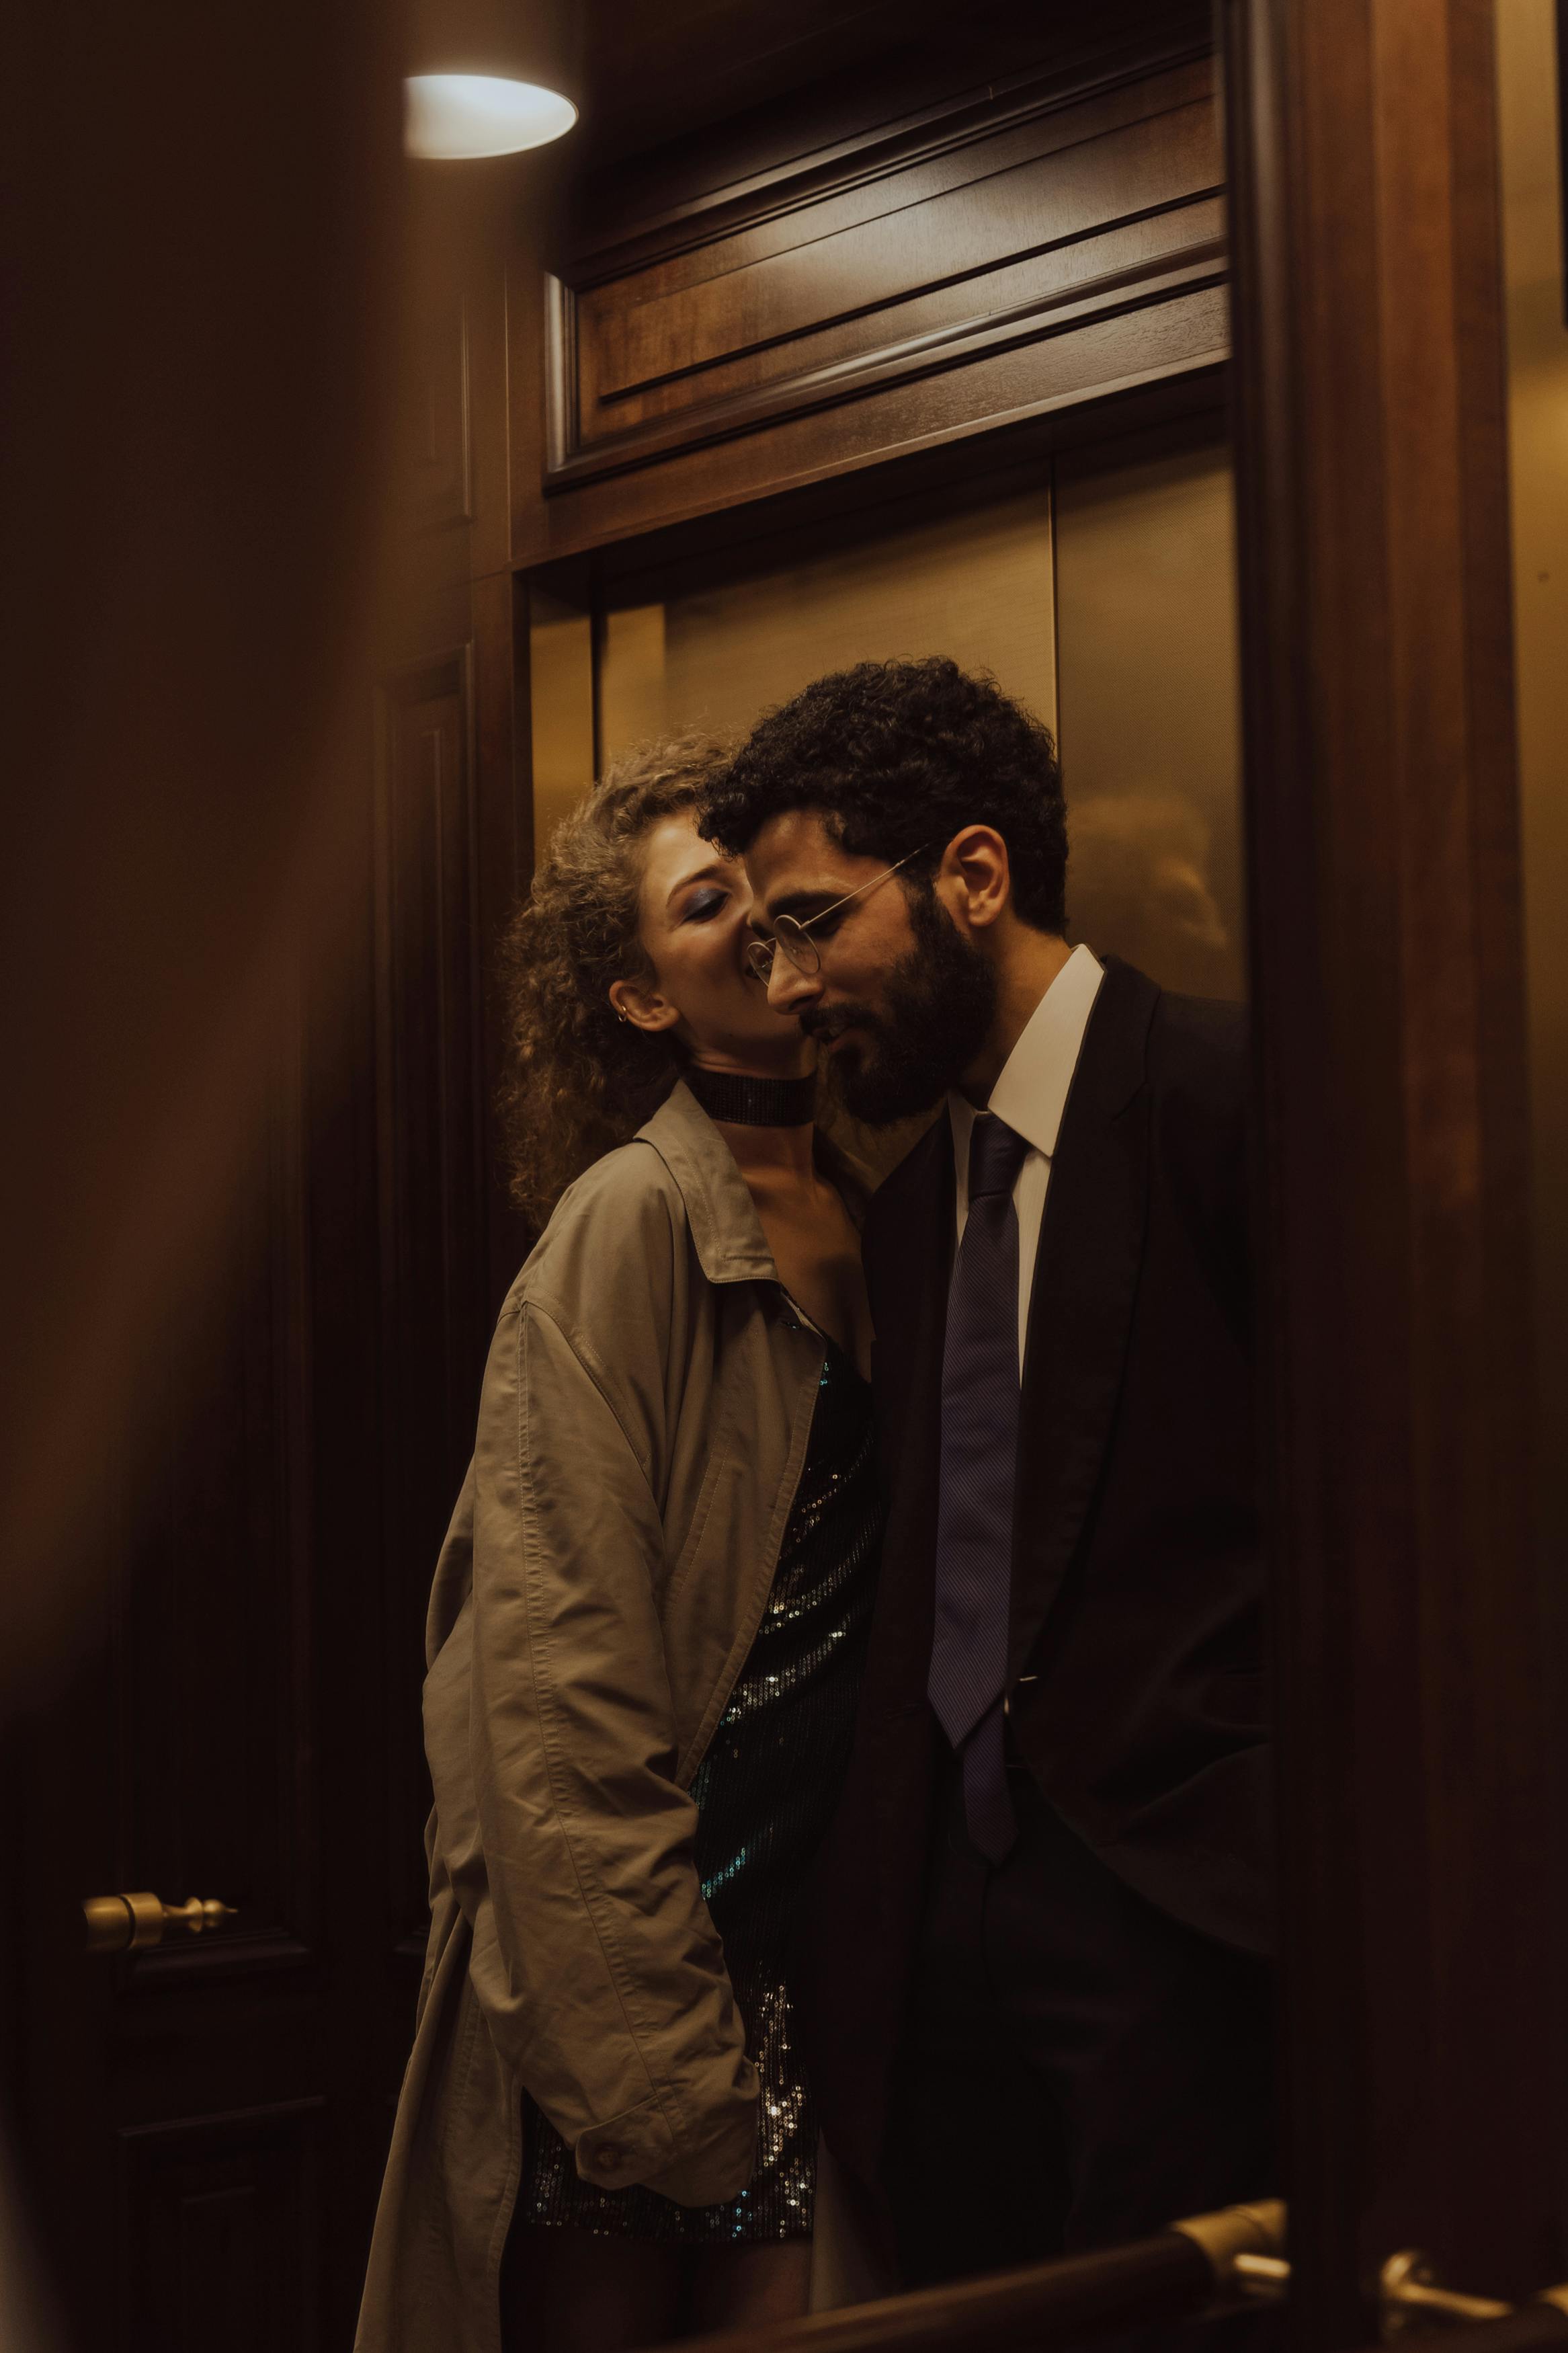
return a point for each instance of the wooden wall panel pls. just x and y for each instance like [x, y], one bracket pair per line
[451, 851]
[213, 1650]
[1046, 244]
[431, 1108]
[436, 472]
[219, 2219]
[432, 1159]
[1185, 334]
[1422, 1911]
[1076, 203]
[244, 1722]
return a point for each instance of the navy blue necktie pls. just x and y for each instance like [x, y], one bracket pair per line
[979, 1458]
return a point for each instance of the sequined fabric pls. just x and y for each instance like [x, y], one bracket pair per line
[765, 1792]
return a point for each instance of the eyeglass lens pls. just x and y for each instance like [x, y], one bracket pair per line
[798, 946]
[802, 950]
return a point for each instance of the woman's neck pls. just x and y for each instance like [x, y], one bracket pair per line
[768, 1157]
[750, 1102]
[772, 1143]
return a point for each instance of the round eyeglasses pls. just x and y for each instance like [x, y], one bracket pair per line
[794, 937]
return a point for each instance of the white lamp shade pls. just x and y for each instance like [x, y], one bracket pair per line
[457, 115]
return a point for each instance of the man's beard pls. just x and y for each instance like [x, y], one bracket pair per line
[941, 1003]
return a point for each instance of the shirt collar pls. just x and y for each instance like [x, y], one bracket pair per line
[1032, 1090]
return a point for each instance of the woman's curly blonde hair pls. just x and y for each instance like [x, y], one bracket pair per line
[579, 1080]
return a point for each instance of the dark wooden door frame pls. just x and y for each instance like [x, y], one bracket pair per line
[1424, 2056]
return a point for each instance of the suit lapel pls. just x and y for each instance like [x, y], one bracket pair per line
[915, 1254]
[1086, 1280]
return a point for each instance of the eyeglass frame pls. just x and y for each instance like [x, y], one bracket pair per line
[790, 934]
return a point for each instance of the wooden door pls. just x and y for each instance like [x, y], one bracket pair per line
[202, 2124]
[1420, 1758]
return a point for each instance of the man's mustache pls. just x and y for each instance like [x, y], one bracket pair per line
[826, 1022]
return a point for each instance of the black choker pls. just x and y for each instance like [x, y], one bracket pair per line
[753, 1102]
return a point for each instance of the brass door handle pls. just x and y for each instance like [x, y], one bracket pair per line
[122, 1924]
[1410, 2299]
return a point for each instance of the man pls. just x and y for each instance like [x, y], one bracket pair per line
[1032, 1983]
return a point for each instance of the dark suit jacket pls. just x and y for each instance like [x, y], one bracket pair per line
[1136, 1572]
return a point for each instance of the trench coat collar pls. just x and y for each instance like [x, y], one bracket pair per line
[726, 1230]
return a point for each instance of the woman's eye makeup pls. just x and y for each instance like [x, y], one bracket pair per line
[704, 905]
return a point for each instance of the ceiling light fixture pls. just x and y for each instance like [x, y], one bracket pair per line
[457, 115]
[491, 77]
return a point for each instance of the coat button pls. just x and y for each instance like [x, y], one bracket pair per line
[611, 2155]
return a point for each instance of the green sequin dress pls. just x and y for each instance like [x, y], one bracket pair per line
[766, 1793]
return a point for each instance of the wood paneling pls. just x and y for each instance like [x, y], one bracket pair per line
[1422, 1864]
[1030, 221]
[1041, 242]
[221, 2230]
[882, 69]
[203, 2128]
[700, 61]
[452, 850]
[1038, 215]
[1183, 335]
[186, 1756]
[433, 1162]
[430, 1094]
[214, 1652]
[437, 459]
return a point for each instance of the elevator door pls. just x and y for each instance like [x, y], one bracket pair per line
[1098, 588]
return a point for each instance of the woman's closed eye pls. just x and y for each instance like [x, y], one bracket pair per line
[704, 905]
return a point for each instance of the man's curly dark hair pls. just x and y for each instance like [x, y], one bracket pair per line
[899, 756]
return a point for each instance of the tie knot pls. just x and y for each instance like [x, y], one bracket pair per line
[996, 1153]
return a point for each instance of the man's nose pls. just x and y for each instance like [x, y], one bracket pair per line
[789, 989]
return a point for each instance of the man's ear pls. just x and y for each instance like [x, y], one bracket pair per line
[640, 1003]
[975, 878]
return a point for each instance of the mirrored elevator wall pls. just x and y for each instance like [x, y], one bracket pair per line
[1098, 587]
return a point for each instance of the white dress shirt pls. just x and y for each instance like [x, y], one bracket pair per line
[1030, 1096]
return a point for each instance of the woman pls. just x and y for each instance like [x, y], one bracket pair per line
[644, 1642]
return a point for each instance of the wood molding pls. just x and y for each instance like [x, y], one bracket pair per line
[1183, 269]
[1421, 1915]
[221, 2124]
[430, 1160]
[824, 294]
[450, 855]
[222, 1957]
[1162, 360]
[871, 153]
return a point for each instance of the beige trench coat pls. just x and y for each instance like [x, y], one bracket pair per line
[643, 1423]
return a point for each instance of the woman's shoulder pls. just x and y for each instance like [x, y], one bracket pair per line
[622, 1221]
